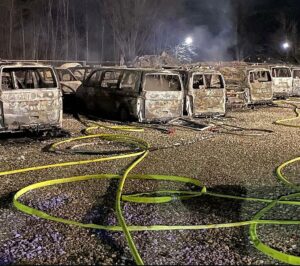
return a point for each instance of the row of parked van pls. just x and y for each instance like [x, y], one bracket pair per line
[147, 95]
[152, 94]
[31, 94]
[260, 82]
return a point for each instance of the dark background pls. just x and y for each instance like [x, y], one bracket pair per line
[107, 30]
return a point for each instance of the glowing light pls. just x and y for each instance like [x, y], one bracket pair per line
[285, 45]
[189, 40]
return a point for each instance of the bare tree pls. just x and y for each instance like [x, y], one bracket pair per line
[64, 29]
[239, 16]
[287, 32]
[86, 30]
[23, 36]
[11, 17]
[75, 33]
[66, 25]
[132, 22]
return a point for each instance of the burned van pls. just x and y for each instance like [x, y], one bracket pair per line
[68, 82]
[30, 98]
[282, 81]
[205, 93]
[81, 73]
[253, 84]
[139, 94]
[235, 77]
[258, 88]
[296, 81]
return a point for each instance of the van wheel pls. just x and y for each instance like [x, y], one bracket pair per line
[124, 114]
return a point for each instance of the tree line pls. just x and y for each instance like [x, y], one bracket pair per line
[92, 30]
[120, 30]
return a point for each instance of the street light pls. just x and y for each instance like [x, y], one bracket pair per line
[188, 40]
[286, 45]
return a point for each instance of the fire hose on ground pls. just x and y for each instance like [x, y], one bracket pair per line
[158, 197]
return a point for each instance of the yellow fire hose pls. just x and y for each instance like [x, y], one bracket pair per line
[157, 197]
[284, 122]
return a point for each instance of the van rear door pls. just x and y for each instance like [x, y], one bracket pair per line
[260, 86]
[30, 98]
[163, 96]
[207, 94]
[282, 81]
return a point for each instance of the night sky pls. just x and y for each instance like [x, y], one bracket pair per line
[261, 20]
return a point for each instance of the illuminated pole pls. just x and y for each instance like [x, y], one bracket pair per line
[286, 47]
[188, 42]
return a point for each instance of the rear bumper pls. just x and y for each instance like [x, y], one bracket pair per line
[264, 101]
[281, 95]
[208, 114]
[32, 128]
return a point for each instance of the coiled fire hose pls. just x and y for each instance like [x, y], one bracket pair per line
[285, 122]
[157, 197]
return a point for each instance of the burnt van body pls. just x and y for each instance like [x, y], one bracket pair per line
[81, 73]
[259, 89]
[205, 92]
[30, 98]
[68, 82]
[282, 81]
[144, 95]
[253, 84]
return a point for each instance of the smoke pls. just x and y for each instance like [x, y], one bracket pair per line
[212, 47]
[214, 34]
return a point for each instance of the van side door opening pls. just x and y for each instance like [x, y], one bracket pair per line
[106, 93]
[88, 91]
[128, 96]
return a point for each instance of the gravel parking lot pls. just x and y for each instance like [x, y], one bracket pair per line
[227, 163]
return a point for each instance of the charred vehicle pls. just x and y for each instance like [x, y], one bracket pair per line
[259, 88]
[69, 85]
[205, 93]
[253, 84]
[68, 82]
[235, 78]
[30, 98]
[140, 94]
[296, 81]
[282, 81]
[81, 73]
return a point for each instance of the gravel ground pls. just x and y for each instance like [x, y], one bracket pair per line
[231, 164]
